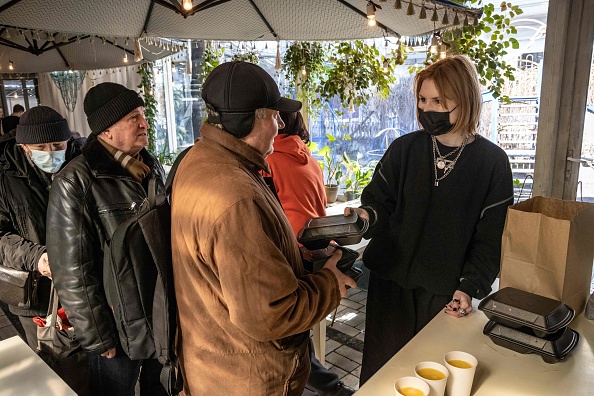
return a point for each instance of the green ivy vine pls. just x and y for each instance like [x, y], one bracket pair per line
[145, 71]
[249, 56]
[312, 56]
[211, 58]
[355, 68]
[486, 43]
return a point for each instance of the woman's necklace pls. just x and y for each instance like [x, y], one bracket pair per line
[442, 163]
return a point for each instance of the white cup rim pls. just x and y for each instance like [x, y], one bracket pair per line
[466, 357]
[431, 364]
[422, 385]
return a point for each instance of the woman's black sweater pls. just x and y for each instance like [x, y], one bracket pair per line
[441, 238]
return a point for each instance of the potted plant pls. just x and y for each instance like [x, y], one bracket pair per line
[357, 176]
[331, 166]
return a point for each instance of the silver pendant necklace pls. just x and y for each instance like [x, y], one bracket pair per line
[442, 163]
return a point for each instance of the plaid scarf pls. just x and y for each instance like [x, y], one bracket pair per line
[133, 165]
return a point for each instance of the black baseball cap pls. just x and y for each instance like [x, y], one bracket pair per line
[236, 89]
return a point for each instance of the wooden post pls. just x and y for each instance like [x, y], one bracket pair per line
[566, 72]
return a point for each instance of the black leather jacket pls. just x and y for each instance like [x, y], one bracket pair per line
[24, 193]
[88, 200]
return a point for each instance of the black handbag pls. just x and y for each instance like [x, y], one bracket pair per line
[53, 341]
[18, 287]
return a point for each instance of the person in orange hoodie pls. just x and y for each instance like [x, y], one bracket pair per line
[299, 184]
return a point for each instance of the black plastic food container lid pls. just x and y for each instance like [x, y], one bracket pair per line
[517, 308]
[552, 348]
[344, 230]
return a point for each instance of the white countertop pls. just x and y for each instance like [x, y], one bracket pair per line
[23, 373]
[500, 371]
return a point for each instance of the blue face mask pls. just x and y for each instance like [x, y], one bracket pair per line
[48, 161]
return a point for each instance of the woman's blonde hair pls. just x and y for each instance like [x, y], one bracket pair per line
[456, 79]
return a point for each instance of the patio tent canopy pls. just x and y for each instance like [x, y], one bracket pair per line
[24, 51]
[244, 20]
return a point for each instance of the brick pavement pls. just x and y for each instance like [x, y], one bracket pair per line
[344, 339]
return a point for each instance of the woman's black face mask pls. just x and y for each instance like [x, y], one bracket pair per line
[436, 122]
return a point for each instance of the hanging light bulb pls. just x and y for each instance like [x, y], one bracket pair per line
[187, 5]
[303, 70]
[443, 51]
[7, 33]
[433, 48]
[371, 14]
[386, 69]
[16, 96]
[11, 67]
[398, 4]
[125, 57]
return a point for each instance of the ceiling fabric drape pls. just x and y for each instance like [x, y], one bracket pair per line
[49, 93]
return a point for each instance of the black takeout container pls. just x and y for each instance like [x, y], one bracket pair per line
[551, 348]
[518, 309]
[314, 260]
[344, 230]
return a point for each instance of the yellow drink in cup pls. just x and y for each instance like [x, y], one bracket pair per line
[435, 375]
[462, 367]
[410, 391]
[411, 386]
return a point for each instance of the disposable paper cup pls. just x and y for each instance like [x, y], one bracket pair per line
[460, 379]
[437, 386]
[410, 382]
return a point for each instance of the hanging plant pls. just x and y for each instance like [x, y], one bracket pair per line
[486, 42]
[145, 71]
[211, 58]
[355, 68]
[249, 56]
[308, 57]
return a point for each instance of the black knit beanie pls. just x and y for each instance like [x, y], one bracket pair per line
[107, 103]
[42, 124]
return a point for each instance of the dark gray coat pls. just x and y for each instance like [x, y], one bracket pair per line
[24, 193]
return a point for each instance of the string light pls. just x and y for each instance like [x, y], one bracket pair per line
[125, 57]
[443, 51]
[433, 48]
[371, 14]
[11, 66]
[303, 70]
[187, 5]
[386, 66]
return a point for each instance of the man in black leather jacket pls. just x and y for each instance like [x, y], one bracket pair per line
[94, 194]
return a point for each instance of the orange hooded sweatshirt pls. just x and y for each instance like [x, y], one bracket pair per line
[298, 179]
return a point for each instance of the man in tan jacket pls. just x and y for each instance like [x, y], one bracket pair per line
[245, 304]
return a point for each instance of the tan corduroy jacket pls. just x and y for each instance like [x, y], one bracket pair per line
[245, 305]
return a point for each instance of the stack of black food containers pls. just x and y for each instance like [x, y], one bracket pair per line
[317, 234]
[529, 323]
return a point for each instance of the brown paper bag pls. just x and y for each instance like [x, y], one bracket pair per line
[547, 249]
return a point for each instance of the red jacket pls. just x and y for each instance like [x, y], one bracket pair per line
[298, 179]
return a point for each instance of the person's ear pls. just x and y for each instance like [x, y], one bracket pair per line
[106, 135]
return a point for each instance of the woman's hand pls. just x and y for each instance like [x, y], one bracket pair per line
[360, 212]
[460, 306]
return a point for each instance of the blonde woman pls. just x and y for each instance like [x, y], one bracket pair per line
[437, 206]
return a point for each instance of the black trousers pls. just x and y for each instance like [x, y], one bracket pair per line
[394, 316]
[320, 378]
